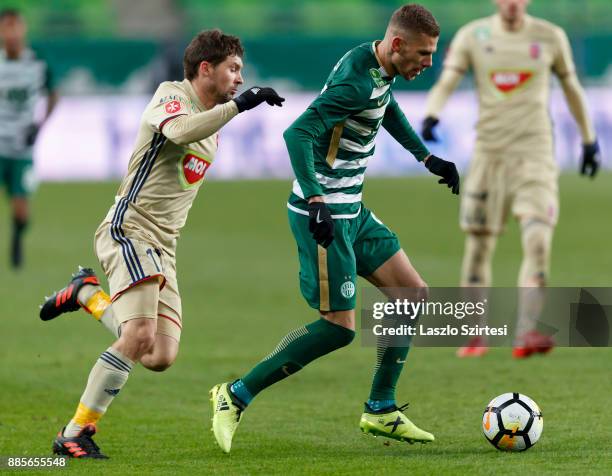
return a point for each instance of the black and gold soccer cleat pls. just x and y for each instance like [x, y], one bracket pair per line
[81, 446]
[65, 300]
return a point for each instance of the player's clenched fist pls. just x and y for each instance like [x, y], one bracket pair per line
[446, 170]
[254, 96]
[321, 223]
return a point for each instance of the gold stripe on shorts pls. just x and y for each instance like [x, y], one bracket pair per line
[323, 280]
[332, 152]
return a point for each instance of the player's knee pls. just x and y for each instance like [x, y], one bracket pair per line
[160, 363]
[139, 336]
[345, 319]
[422, 291]
[345, 337]
[341, 329]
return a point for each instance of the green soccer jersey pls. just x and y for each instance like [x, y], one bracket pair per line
[331, 143]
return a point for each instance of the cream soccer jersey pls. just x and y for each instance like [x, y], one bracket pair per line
[155, 196]
[163, 178]
[512, 73]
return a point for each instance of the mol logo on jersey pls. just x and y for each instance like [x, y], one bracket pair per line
[508, 81]
[192, 169]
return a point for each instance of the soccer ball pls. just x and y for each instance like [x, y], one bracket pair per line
[512, 422]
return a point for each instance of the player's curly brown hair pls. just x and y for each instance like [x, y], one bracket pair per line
[212, 46]
[415, 18]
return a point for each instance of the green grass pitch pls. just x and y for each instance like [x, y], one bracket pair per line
[237, 268]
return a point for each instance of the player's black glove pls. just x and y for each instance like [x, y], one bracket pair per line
[321, 223]
[31, 134]
[590, 159]
[446, 170]
[428, 129]
[254, 96]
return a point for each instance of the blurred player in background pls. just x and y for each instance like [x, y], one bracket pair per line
[136, 242]
[337, 237]
[513, 170]
[24, 79]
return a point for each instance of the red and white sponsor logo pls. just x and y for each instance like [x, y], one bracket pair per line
[173, 107]
[194, 168]
[508, 81]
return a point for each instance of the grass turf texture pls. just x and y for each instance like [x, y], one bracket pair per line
[237, 268]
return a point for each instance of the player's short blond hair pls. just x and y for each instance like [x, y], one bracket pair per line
[212, 46]
[415, 18]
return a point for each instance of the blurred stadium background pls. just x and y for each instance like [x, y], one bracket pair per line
[108, 56]
[238, 269]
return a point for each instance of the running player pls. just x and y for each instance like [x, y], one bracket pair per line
[338, 238]
[136, 242]
[513, 170]
[24, 79]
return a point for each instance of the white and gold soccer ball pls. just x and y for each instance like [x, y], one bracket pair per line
[512, 422]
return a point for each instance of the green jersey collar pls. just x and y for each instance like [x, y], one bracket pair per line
[379, 74]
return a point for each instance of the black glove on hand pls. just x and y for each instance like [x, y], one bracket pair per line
[428, 129]
[31, 134]
[321, 223]
[590, 159]
[446, 170]
[254, 96]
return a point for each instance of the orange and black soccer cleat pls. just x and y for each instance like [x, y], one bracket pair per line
[475, 347]
[81, 446]
[65, 300]
[532, 342]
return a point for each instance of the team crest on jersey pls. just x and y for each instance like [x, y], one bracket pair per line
[173, 107]
[535, 50]
[482, 33]
[192, 170]
[175, 103]
[508, 81]
[347, 290]
[377, 77]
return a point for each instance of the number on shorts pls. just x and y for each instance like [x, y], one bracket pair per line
[150, 253]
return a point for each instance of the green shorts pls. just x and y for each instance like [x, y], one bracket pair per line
[328, 276]
[18, 176]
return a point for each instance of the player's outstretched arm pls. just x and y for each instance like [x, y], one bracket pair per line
[254, 96]
[564, 68]
[397, 125]
[576, 102]
[436, 100]
[456, 63]
[184, 129]
[446, 170]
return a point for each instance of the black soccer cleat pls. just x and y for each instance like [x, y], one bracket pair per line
[65, 300]
[81, 446]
